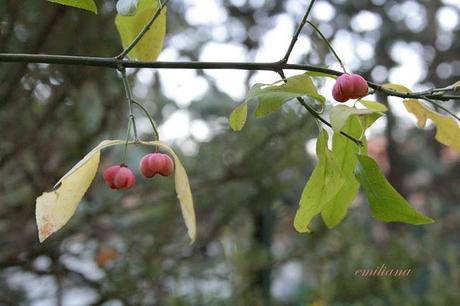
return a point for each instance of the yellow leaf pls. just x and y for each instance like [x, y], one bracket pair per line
[150, 45]
[448, 130]
[397, 87]
[184, 193]
[55, 208]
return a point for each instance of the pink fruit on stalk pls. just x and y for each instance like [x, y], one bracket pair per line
[349, 86]
[154, 163]
[119, 177]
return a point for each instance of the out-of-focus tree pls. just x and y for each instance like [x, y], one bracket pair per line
[130, 248]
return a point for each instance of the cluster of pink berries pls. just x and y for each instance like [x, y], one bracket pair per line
[349, 86]
[121, 177]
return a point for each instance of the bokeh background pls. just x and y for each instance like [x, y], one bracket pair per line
[130, 247]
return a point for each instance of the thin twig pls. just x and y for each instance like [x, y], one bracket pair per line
[129, 99]
[297, 33]
[436, 104]
[152, 122]
[143, 31]
[318, 31]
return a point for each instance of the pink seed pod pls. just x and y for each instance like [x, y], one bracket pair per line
[343, 88]
[119, 177]
[360, 87]
[154, 163]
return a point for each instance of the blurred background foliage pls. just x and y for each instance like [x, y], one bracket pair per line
[130, 248]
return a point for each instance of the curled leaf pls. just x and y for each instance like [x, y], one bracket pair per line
[55, 208]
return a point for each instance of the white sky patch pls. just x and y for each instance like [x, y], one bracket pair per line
[204, 12]
[411, 69]
[366, 21]
[181, 85]
[447, 18]
[323, 11]
[275, 41]
[414, 15]
[231, 82]
[200, 130]
[176, 126]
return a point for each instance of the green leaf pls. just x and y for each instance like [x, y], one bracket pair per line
[377, 106]
[238, 116]
[448, 130]
[340, 114]
[271, 97]
[150, 45]
[321, 74]
[344, 151]
[386, 203]
[88, 5]
[325, 181]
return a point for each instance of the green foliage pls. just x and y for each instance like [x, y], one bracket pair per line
[88, 5]
[272, 96]
[377, 106]
[386, 203]
[149, 46]
[238, 116]
[340, 114]
[324, 183]
[344, 152]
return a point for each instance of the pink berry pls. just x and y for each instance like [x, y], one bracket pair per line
[154, 163]
[119, 177]
[360, 87]
[349, 86]
[343, 88]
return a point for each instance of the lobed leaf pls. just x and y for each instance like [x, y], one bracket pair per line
[151, 44]
[447, 128]
[88, 5]
[386, 203]
[324, 183]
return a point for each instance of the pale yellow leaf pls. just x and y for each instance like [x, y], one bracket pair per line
[397, 87]
[447, 128]
[150, 45]
[184, 193]
[55, 208]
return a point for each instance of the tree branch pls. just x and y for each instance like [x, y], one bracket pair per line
[110, 62]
